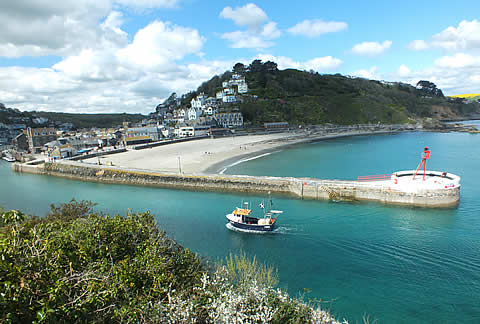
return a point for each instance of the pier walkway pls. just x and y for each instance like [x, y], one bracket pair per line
[384, 191]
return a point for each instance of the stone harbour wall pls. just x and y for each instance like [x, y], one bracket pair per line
[304, 188]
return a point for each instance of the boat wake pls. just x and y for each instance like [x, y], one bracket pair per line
[288, 230]
[278, 230]
[246, 160]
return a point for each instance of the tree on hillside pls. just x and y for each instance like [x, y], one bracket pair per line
[256, 66]
[270, 66]
[239, 68]
[429, 88]
[171, 100]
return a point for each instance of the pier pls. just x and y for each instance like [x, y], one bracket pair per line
[439, 191]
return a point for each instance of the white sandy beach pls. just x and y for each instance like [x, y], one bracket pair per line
[199, 156]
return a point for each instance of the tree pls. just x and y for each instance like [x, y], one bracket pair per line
[239, 68]
[256, 66]
[171, 100]
[429, 88]
[270, 66]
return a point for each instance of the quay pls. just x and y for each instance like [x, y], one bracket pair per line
[434, 190]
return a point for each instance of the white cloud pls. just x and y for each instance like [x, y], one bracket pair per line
[371, 48]
[148, 3]
[252, 39]
[418, 45]
[313, 28]
[318, 64]
[61, 28]
[456, 73]
[114, 75]
[459, 60]
[370, 73]
[325, 63]
[205, 70]
[249, 15]
[159, 43]
[465, 37]
[36, 27]
[403, 70]
[258, 35]
[453, 74]
[245, 39]
[270, 31]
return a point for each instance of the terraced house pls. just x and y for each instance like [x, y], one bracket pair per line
[231, 119]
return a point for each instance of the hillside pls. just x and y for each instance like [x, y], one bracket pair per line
[302, 97]
[42, 118]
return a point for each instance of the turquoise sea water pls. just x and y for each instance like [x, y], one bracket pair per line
[394, 264]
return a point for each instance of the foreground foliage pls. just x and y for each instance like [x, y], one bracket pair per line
[78, 266]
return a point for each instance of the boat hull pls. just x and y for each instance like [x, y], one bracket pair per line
[8, 159]
[252, 227]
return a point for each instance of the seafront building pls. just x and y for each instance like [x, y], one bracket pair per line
[38, 137]
[140, 135]
[231, 119]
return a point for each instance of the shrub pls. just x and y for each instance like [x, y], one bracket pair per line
[77, 266]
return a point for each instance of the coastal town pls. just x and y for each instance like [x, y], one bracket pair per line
[204, 116]
[38, 138]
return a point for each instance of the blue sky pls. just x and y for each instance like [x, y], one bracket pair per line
[129, 55]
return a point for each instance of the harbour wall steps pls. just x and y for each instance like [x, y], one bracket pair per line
[304, 188]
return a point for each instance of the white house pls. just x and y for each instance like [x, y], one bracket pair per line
[210, 101]
[209, 111]
[228, 91]
[242, 87]
[199, 101]
[184, 131]
[194, 113]
[229, 98]
[179, 113]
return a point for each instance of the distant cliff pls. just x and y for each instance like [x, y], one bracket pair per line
[10, 116]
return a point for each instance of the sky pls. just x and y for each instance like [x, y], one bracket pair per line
[105, 56]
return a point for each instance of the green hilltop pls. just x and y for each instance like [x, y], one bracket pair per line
[307, 97]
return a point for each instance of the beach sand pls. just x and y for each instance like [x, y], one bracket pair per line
[212, 155]
[198, 156]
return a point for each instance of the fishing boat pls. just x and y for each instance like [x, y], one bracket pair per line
[7, 156]
[242, 219]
